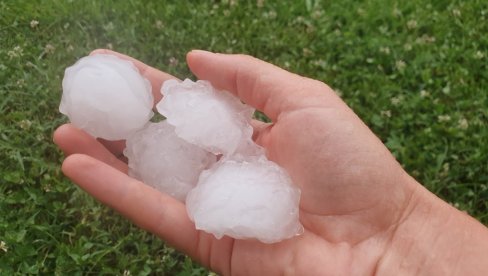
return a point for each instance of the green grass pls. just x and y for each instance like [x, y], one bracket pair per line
[416, 73]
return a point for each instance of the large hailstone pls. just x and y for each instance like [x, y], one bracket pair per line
[214, 120]
[163, 160]
[246, 197]
[106, 96]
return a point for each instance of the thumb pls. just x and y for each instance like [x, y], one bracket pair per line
[262, 85]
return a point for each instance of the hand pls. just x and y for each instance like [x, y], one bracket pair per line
[357, 206]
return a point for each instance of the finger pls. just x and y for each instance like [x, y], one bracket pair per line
[72, 140]
[260, 132]
[264, 86]
[146, 207]
[155, 76]
[115, 147]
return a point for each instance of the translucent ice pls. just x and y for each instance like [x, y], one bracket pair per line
[214, 120]
[163, 160]
[106, 96]
[246, 198]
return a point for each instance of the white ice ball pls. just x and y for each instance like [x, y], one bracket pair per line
[246, 198]
[161, 159]
[214, 120]
[106, 96]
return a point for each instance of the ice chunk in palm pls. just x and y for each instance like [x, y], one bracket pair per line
[163, 160]
[250, 197]
[214, 120]
[106, 96]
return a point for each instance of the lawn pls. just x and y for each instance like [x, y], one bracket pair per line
[415, 72]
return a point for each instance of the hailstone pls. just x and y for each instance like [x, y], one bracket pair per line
[106, 96]
[161, 159]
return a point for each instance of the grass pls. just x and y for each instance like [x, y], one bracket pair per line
[415, 72]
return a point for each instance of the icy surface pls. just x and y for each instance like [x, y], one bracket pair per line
[246, 198]
[163, 160]
[106, 96]
[214, 120]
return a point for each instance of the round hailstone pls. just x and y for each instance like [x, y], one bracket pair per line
[163, 160]
[249, 198]
[214, 120]
[106, 96]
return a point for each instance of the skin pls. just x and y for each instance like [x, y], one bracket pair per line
[362, 213]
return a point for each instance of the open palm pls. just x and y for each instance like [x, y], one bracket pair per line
[354, 193]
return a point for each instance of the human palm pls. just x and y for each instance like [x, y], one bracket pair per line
[353, 191]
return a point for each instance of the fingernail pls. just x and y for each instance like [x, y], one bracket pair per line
[98, 51]
[196, 51]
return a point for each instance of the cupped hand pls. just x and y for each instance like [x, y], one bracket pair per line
[354, 193]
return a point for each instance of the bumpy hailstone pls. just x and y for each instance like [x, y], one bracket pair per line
[214, 120]
[246, 198]
[163, 160]
[106, 96]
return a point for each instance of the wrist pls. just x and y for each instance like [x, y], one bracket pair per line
[434, 238]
